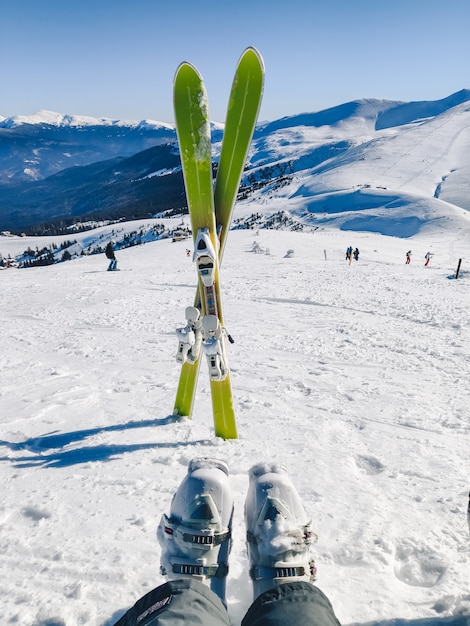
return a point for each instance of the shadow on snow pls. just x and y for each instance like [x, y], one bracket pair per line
[85, 454]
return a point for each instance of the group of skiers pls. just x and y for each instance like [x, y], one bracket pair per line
[350, 254]
[354, 254]
[427, 257]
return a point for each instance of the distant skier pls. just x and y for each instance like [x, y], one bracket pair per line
[408, 257]
[356, 254]
[109, 251]
[349, 253]
[468, 512]
[427, 256]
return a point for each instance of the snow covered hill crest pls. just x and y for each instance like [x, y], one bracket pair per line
[371, 164]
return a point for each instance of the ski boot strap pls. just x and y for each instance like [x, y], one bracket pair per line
[284, 572]
[206, 540]
[210, 571]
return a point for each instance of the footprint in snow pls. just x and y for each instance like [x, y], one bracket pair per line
[418, 566]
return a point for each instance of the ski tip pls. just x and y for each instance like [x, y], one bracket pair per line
[186, 69]
[251, 51]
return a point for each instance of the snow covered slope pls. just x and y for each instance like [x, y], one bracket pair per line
[354, 376]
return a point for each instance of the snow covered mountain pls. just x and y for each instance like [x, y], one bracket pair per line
[372, 159]
[37, 146]
[378, 160]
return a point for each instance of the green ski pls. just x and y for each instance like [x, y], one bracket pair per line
[194, 137]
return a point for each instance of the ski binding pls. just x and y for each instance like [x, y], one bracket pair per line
[189, 337]
[214, 348]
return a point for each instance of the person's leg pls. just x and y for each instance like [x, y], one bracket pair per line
[177, 603]
[291, 603]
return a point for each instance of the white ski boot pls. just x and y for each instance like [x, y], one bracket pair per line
[189, 337]
[279, 534]
[196, 537]
[214, 346]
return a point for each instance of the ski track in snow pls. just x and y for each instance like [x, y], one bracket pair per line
[355, 377]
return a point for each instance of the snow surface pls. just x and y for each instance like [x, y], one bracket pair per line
[355, 377]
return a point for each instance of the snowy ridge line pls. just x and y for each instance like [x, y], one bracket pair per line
[59, 119]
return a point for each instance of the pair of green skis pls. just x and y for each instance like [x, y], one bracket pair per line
[210, 210]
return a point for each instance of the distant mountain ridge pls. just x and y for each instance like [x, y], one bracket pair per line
[52, 118]
[55, 166]
[35, 147]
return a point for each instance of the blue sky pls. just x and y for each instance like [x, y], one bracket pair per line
[117, 59]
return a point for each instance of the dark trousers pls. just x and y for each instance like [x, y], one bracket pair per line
[190, 603]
